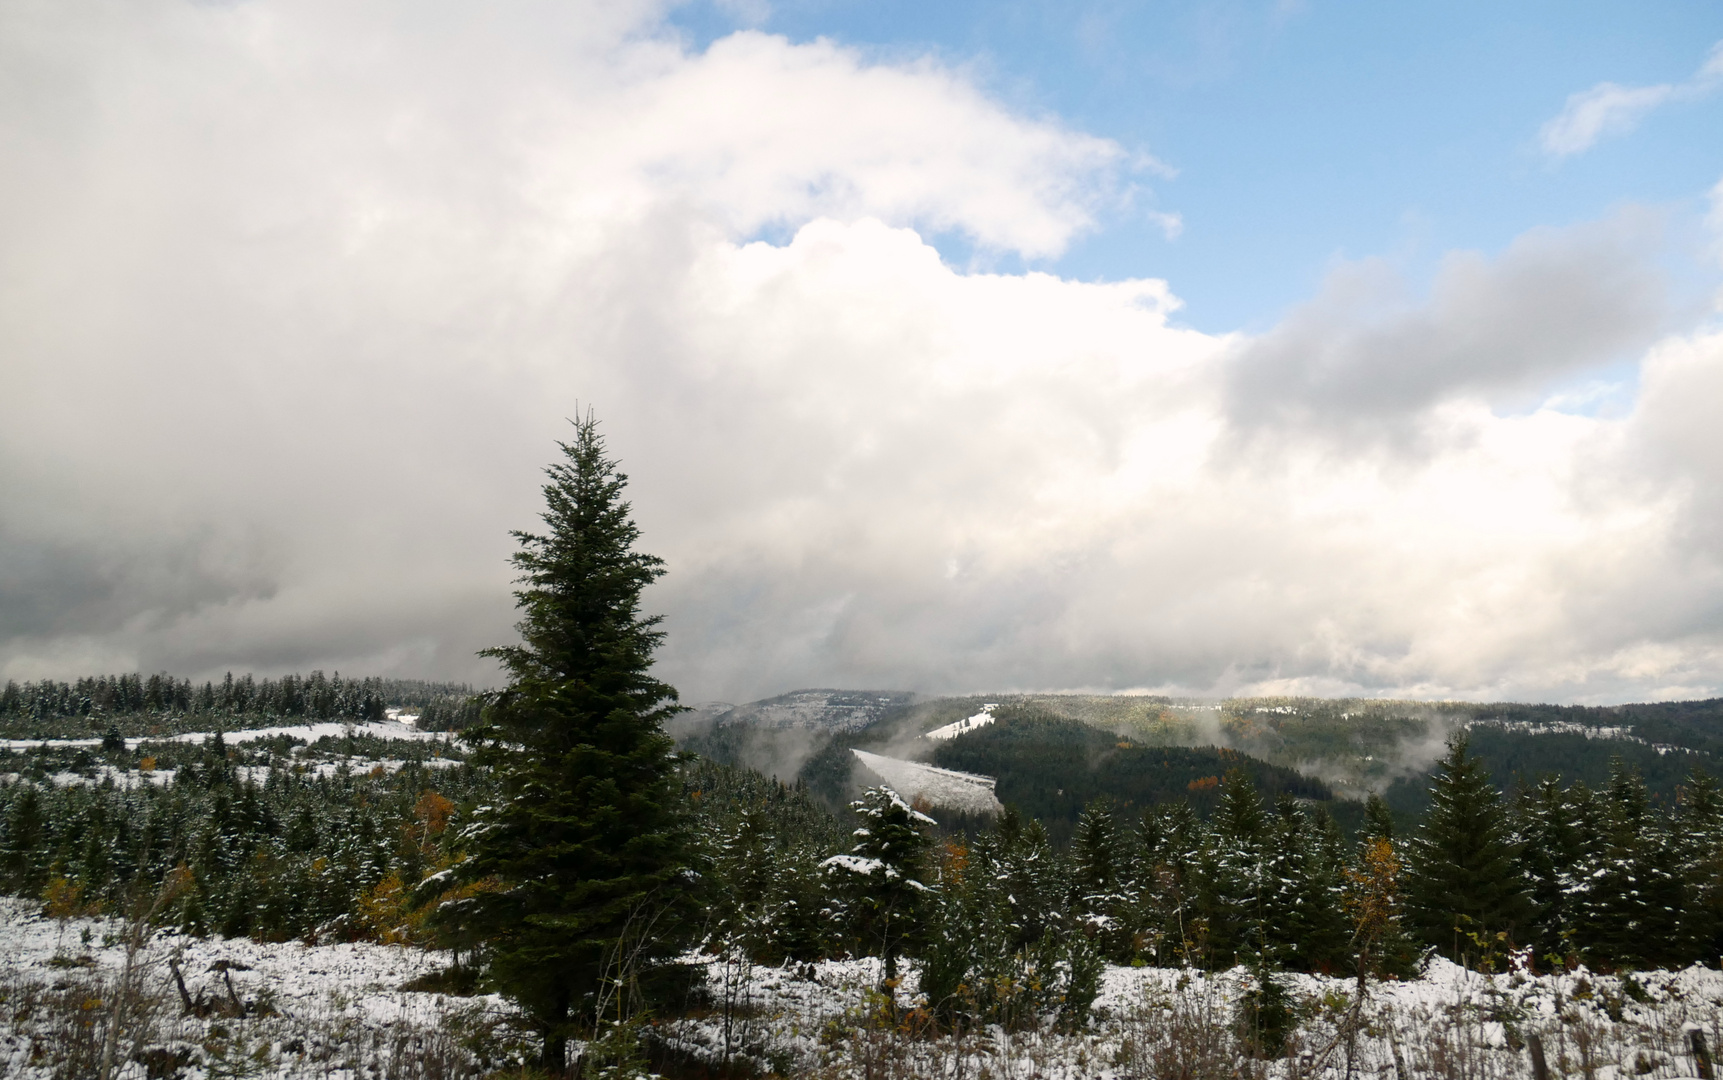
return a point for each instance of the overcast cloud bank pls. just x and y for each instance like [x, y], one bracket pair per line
[296, 297]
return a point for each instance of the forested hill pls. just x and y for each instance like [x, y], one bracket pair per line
[159, 704]
[1050, 768]
[1695, 725]
[1086, 745]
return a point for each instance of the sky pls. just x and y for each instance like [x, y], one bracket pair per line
[1199, 348]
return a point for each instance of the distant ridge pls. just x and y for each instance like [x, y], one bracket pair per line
[819, 710]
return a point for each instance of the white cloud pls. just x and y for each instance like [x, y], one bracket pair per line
[291, 318]
[1363, 363]
[1712, 69]
[1608, 109]
[1605, 109]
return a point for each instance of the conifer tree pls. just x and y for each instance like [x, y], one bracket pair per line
[21, 860]
[799, 926]
[1231, 890]
[1283, 895]
[883, 874]
[1551, 848]
[584, 856]
[1378, 819]
[1098, 873]
[1699, 830]
[1321, 935]
[1628, 899]
[1461, 876]
[1172, 845]
[1034, 878]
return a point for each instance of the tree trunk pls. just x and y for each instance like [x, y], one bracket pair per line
[554, 1058]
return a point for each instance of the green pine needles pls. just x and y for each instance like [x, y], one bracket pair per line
[1464, 886]
[578, 873]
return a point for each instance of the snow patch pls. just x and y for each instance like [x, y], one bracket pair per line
[914, 781]
[968, 723]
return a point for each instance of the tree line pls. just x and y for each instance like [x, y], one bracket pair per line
[141, 704]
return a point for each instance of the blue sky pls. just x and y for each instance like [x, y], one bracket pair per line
[1305, 133]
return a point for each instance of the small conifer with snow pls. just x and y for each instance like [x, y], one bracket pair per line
[1627, 901]
[1230, 892]
[883, 876]
[1100, 865]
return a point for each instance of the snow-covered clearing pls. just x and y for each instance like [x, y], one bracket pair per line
[964, 792]
[1152, 1022]
[308, 732]
[269, 1010]
[968, 723]
[338, 1011]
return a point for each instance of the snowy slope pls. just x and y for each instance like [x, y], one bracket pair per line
[964, 792]
[968, 723]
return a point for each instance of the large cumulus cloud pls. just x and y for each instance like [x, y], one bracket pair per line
[296, 298]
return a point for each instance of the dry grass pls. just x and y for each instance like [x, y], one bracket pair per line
[59, 1027]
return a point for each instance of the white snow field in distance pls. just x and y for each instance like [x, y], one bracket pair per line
[966, 793]
[968, 723]
[309, 732]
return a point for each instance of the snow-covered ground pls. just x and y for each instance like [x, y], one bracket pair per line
[338, 1011]
[968, 723]
[257, 774]
[309, 732]
[1155, 1022]
[269, 1010]
[915, 781]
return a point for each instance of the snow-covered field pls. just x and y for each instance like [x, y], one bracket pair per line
[309, 732]
[269, 1010]
[961, 791]
[298, 1011]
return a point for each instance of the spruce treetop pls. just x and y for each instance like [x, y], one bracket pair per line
[1463, 859]
[583, 637]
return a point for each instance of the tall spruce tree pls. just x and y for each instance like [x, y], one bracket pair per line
[582, 861]
[1463, 879]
